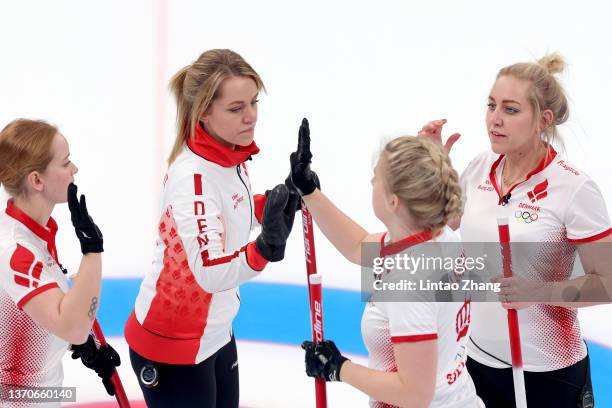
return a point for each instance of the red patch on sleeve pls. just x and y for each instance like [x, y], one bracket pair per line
[20, 263]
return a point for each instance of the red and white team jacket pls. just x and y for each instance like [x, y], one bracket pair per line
[31, 356]
[186, 304]
[556, 207]
[385, 323]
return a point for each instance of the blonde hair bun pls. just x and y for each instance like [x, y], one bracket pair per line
[546, 91]
[553, 63]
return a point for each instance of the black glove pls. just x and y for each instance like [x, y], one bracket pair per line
[87, 231]
[323, 360]
[293, 189]
[102, 360]
[276, 223]
[301, 178]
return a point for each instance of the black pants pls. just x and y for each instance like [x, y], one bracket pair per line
[556, 389]
[210, 384]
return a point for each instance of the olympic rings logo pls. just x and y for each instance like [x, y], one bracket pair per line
[526, 216]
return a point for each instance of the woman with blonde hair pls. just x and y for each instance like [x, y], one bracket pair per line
[41, 314]
[559, 211]
[416, 345]
[182, 346]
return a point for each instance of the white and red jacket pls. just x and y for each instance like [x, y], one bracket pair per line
[186, 304]
[387, 321]
[554, 208]
[31, 355]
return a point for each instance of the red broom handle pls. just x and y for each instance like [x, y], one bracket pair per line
[120, 395]
[315, 297]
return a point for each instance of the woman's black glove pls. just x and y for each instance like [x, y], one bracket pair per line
[102, 360]
[301, 178]
[323, 360]
[276, 223]
[87, 231]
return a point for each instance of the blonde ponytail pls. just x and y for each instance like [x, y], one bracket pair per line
[195, 87]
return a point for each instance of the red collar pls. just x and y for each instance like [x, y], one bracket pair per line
[546, 160]
[46, 234]
[405, 243]
[205, 146]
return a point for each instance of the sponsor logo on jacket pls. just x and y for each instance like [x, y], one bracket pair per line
[568, 168]
[486, 187]
[237, 199]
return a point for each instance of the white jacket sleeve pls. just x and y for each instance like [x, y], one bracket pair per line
[196, 216]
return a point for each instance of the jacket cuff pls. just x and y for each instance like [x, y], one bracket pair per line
[254, 258]
[260, 203]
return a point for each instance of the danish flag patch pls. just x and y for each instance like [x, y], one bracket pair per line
[539, 191]
[27, 271]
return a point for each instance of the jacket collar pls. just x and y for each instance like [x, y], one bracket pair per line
[405, 243]
[202, 144]
[546, 160]
[46, 234]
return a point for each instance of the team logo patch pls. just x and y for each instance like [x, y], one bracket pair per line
[526, 216]
[149, 375]
[539, 191]
[27, 269]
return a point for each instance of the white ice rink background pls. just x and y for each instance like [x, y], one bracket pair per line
[361, 72]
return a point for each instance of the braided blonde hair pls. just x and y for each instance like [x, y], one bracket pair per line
[420, 173]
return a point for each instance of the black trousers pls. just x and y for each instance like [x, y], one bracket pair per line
[555, 389]
[210, 384]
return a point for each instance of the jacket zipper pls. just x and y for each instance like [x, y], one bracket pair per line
[248, 194]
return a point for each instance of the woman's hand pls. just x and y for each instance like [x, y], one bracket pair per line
[86, 230]
[323, 360]
[301, 178]
[102, 360]
[433, 131]
[276, 223]
[519, 293]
